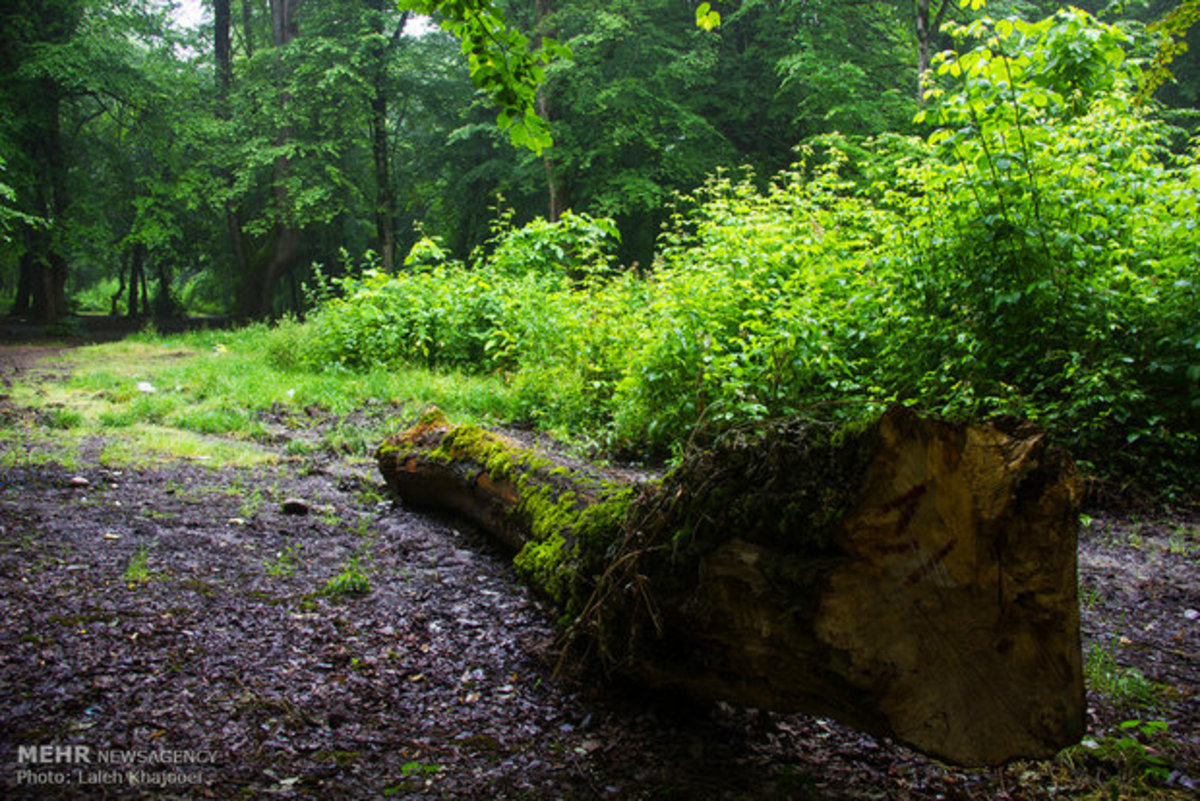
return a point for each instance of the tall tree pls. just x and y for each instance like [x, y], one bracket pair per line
[39, 79]
[382, 46]
[75, 72]
[282, 250]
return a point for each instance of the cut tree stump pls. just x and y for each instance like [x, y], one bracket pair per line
[912, 578]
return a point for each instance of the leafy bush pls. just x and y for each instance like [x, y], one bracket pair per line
[1055, 263]
[443, 316]
[755, 308]
[97, 298]
[576, 245]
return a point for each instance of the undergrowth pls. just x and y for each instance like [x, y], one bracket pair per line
[1033, 255]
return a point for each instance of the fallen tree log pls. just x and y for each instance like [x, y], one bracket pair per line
[911, 578]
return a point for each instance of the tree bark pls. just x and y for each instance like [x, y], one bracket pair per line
[23, 300]
[223, 47]
[385, 197]
[927, 30]
[145, 283]
[555, 202]
[248, 28]
[41, 292]
[912, 578]
[164, 304]
[223, 54]
[137, 281]
[116, 296]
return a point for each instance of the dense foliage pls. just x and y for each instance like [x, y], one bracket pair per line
[750, 209]
[1035, 254]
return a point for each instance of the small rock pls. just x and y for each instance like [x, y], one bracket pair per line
[294, 506]
[145, 386]
[1191, 614]
[79, 481]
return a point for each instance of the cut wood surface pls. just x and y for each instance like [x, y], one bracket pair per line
[912, 578]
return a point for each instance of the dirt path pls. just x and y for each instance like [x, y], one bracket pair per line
[173, 615]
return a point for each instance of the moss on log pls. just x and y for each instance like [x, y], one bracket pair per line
[558, 518]
[911, 577]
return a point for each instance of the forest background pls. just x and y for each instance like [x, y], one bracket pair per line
[799, 206]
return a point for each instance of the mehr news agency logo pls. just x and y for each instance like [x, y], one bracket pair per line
[48, 765]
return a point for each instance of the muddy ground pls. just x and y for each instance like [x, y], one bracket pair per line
[173, 615]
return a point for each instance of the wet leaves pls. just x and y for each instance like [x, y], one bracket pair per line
[435, 684]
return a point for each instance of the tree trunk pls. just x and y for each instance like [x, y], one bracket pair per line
[912, 578]
[385, 197]
[222, 47]
[248, 27]
[145, 285]
[139, 292]
[54, 289]
[927, 31]
[555, 202]
[261, 277]
[116, 296]
[282, 257]
[283, 21]
[41, 285]
[26, 275]
[164, 304]
[385, 200]
[923, 45]
[223, 54]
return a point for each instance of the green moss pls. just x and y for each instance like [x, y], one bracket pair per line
[501, 460]
[571, 516]
[542, 565]
[341, 758]
[570, 538]
[789, 486]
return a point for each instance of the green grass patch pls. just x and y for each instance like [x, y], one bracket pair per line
[27, 448]
[219, 419]
[206, 395]
[64, 419]
[138, 570]
[142, 443]
[285, 562]
[1125, 687]
[351, 582]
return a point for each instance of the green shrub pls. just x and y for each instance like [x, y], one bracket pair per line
[758, 304]
[97, 298]
[1055, 266]
[289, 345]
[577, 245]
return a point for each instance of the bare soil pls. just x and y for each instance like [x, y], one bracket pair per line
[173, 615]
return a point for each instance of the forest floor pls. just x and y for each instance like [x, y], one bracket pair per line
[172, 613]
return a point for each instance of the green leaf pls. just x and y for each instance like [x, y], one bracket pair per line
[707, 18]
